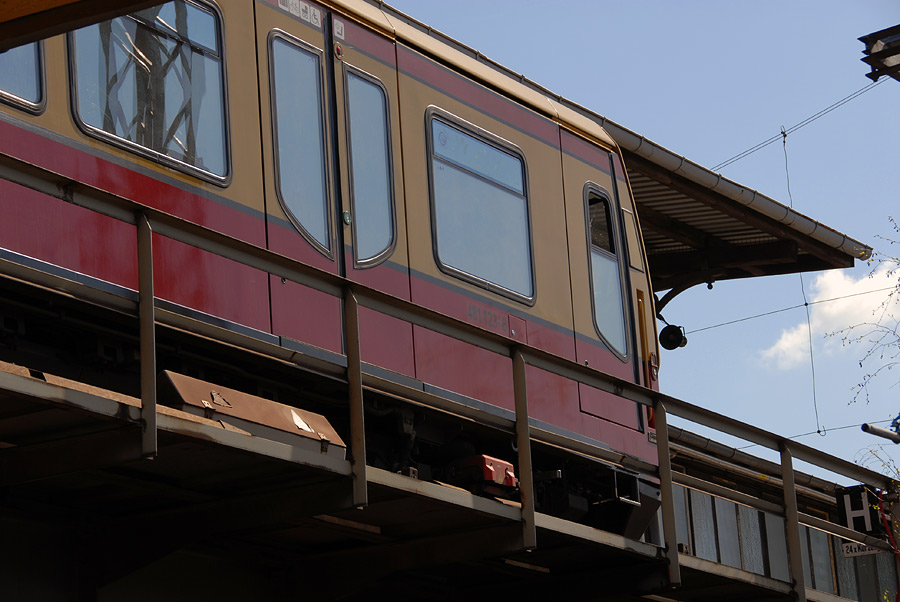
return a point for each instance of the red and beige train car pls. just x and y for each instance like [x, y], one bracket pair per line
[348, 137]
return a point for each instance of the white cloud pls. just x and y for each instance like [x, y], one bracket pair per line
[831, 316]
[791, 349]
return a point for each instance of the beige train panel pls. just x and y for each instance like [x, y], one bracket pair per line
[577, 174]
[544, 183]
[271, 19]
[543, 103]
[647, 352]
[416, 98]
[474, 69]
[582, 126]
[644, 313]
[364, 14]
[267, 19]
[636, 252]
[364, 62]
[246, 183]
[585, 163]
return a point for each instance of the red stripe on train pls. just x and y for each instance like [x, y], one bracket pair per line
[76, 164]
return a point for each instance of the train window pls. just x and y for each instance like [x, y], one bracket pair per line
[154, 81]
[480, 213]
[21, 77]
[601, 228]
[299, 137]
[370, 168]
[606, 280]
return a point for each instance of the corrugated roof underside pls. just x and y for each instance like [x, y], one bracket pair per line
[694, 215]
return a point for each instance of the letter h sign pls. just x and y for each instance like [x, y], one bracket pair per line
[858, 509]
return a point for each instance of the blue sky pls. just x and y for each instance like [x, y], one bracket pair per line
[708, 80]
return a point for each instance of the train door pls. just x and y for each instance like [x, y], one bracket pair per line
[372, 215]
[332, 172]
[299, 167]
[601, 293]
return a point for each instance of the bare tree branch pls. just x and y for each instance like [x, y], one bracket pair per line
[881, 336]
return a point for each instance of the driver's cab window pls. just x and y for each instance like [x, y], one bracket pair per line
[606, 278]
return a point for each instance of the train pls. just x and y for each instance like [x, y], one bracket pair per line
[344, 136]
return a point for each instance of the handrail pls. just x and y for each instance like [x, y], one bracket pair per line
[353, 293]
[204, 238]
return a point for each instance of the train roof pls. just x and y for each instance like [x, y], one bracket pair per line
[698, 226]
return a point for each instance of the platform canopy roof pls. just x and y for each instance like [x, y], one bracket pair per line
[23, 21]
[698, 226]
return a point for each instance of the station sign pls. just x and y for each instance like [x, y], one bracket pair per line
[858, 509]
[852, 548]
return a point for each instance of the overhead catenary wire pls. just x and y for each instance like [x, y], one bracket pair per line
[784, 309]
[812, 361]
[830, 430]
[840, 428]
[797, 126]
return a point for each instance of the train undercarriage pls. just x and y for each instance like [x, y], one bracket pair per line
[59, 335]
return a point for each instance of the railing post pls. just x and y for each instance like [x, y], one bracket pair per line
[357, 411]
[523, 442]
[792, 523]
[147, 321]
[667, 493]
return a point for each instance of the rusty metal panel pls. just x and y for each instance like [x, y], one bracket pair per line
[256, 415]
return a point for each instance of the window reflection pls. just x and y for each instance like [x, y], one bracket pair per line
[155, 79]
[20, 76]
[601, 233]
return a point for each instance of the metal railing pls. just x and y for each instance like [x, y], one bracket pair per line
[744, 536]
[354, 295]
